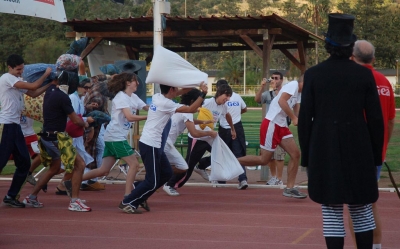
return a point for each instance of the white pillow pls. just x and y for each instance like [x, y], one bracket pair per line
[168, 68]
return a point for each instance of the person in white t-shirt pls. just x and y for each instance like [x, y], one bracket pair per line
[123, 113]
[197, 146]
[181, 121]
[158, 168]
[278, 160]
[12, 142]
[236, 107]
[274, 131]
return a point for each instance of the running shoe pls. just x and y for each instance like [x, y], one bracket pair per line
[78, 206]
[294, 192]
[243, 185]
[129, 209]
[170, 190]
[32, 202]
[12, 202]
[201, 172]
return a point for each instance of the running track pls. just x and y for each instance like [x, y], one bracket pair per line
[201, 217]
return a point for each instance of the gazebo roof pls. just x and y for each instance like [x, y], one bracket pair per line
[189, 34]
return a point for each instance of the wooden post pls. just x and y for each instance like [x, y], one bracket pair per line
[268, 41]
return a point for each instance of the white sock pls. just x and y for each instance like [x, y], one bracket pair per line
[376, 246]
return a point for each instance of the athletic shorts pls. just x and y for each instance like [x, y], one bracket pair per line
[279, 154]
[117, 149]
[272, 134]
[174, 157]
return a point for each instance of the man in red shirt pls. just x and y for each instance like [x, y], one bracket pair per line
[364, 54]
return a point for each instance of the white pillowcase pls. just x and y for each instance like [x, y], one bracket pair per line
[168, 68]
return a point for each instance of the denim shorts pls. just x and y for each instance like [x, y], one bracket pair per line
[51, 148]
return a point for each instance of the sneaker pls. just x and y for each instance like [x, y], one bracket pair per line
[201, 172]
[145, 206]
[243, 185]
[95, 186]
[278, 182]
[272, 181]
[84, 187]
[68, 187]
[31, 180]
[32, 202]
[124, 168]
[170, 190]
[294, 192]
[129, 209]
[12, 202]
[78, 206]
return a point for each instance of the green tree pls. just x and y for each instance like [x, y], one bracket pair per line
[44, 50]
[232, 70]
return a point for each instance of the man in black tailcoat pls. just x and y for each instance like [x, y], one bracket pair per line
[341, 136]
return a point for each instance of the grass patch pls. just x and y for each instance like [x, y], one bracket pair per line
[255, 117]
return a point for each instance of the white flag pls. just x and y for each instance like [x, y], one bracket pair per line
[49, 9]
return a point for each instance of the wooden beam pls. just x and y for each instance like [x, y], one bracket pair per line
[174, 34]
[271, 43]
[252, 44]
[275, 31]
[221, 48]
[131, 52]
[302, 56]
[291, 58]
[90, 47]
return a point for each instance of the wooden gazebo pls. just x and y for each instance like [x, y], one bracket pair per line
[187, 34]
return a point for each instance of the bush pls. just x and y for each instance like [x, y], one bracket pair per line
[250, 102]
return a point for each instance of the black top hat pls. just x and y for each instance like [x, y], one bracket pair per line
[340, 30]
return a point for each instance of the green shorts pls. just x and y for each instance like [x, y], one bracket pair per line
[118, 149]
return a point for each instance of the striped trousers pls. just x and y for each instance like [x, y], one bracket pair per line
[361, 215]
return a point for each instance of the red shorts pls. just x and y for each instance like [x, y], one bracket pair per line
[272, 134]
[28, 140]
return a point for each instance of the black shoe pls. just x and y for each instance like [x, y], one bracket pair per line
[84, 186]
[68, 187]
[145, 206]
[13, 202]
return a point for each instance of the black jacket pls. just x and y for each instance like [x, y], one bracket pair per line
[341, 132]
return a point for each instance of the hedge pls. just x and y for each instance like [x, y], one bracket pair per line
[249, 100]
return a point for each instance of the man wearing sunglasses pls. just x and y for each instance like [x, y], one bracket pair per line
[278, 159]
[274, 131]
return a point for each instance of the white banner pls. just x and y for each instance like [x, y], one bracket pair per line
[49, 9]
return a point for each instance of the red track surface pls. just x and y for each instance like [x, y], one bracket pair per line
[201, 217]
